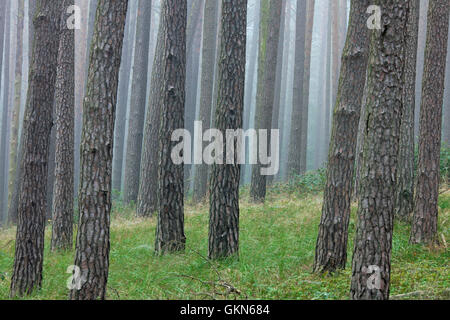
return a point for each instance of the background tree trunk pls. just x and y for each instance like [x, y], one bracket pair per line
[27, 270]
[224, 182]
[94, 206]
[373, 241]
[424, 226]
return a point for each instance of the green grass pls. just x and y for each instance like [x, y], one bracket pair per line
[277, 243]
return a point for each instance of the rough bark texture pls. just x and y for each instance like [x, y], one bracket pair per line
[331, 247]
[170, 223]
[94, 205]
[14, 138]
[207, 86]
[373, 241]
[404, 203]
[424, 226]
[62, 210]
[27, 270]
[446, 110]
[295, 148]
[137, 103]
[224, 181]
[264, 109]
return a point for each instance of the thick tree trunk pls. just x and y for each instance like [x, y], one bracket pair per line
[123, 94]
[207, 88]
[62, 211]
[446, 110]
[424, 226]
[264, 108]
[170, 226]
[224, 182]
[331, 247]
[404, 203]
[137, 103]
[371, 265]
[27, 271]
[14, 139]
[94, 205]
[295, 145]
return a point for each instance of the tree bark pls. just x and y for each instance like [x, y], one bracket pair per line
[27, 270]
[424, 226]
[62, 211]
[385, 82]
[331, 246]
[224, 182]
[404, 202]
[137, 104]
[446, 110]
[170, 223]
[94, 204]
[264, 108]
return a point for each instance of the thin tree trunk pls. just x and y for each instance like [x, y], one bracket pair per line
[404, 202]
[207, 87]
[331, 246]
[94, 206]
[424, 226]
[264, 109]
[137, 104]
[170, 226]
[27, 270]
[62, 209]
[371, 265]
[224, 182]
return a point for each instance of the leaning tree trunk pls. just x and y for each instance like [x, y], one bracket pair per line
[207, 83]
[331, 246]
[424, 226]
[137, 103]
[14, 140]
[404, 192]
[94, 205]
[170, 226]
[295, 148]
[264, 109]
[373, 241]
[62, 210]
[224, 181]
[27, 271]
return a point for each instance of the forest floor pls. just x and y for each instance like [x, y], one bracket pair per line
[277, 241]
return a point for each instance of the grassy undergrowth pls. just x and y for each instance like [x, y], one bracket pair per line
[277, 241]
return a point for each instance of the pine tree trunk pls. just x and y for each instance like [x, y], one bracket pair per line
[446, 111]
[424, 226]
[94, 204]
[27, 270]
[62, 211]
[331, 246]
[137, 103]
[224, 181]
[264, 108]
[385, 81]
[207, 87]
[404, 202]
[170, 226]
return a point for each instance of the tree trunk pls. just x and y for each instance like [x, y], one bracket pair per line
[424, 226]
[373, 241]
[170, 226]
[27, 270]
[264, 108]
[14, 140]
[404, 203]
[331, 246]
[295, 145]
[207, 84]
[94, 204]
[137, 104]
[224, 181]
[62, 211]
[446, 110]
